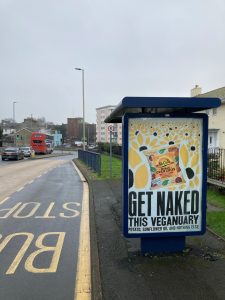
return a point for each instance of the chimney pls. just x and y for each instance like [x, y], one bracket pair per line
[197, 90]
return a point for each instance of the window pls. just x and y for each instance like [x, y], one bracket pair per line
[37, 142]
[38, 135]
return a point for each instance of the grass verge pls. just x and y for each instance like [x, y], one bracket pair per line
[216, 198]
[215, 220]
[105, 168]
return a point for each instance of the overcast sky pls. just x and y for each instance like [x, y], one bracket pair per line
[127, 48]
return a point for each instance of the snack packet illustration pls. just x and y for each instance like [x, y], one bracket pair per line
[164, 166]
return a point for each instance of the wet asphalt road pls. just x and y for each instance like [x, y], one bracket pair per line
[39, 236]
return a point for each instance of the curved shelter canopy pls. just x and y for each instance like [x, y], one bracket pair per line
[160, 105]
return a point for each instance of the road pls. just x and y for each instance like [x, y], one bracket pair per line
[40, 213]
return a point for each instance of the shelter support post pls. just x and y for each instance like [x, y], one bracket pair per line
[162, 245]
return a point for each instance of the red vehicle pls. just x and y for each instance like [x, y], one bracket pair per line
[41, 143]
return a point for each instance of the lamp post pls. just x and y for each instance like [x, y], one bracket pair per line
[14, 102]
[79, 69]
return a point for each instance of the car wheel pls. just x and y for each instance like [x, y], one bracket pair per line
[3, 159]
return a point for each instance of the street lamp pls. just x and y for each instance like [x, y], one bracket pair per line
[79, 69]
[14, 127]
[14, 102]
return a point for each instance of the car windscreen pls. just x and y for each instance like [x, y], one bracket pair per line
[10, 150]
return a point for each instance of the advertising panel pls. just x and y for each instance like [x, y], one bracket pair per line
[164, 174]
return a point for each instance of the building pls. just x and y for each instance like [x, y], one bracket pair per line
[57, 138]
[216, 134]
[8, 126]
[90, 133]
[75, 131]
[103, 129]
[31, 123]
[22, 137]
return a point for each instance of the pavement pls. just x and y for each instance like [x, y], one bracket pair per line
[120, 271]
[54, 154]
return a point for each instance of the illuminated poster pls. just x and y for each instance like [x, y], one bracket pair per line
[165, 175]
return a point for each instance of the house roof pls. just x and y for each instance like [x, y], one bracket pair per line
[107, 106]
[160, 105]
[23, 129]
[218, 93]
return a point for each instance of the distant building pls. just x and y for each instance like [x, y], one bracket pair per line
[8, 126]
[216, 133]
[75, 130]
[57, 138]
[34, 124]
[22, 137]
[103, 129]
[90, 133]
[31, 123]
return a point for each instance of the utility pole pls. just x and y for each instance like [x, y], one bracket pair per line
[79, 69]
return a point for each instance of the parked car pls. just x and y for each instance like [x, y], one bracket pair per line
[26, 151]
[12, 153]
[91, 147]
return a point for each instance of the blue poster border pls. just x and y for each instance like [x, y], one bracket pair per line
[125, 122]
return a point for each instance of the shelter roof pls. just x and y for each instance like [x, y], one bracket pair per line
[160, 105]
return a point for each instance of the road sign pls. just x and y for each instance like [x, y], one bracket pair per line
[110, 128]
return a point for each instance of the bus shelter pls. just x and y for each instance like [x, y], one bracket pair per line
[165, 142]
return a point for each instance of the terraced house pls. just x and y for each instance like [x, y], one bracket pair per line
[216, 136]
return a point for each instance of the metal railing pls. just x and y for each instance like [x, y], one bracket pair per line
[216, 164]
[92, 159]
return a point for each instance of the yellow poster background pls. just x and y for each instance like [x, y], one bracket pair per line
[155, 134]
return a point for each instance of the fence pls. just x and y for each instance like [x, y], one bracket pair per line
[92, 159]
[216, 164]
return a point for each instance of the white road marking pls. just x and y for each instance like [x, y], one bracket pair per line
[4, 200]
[21, 174]
[20, 189]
